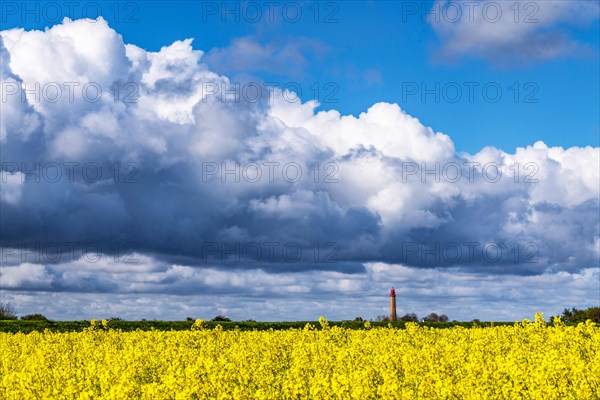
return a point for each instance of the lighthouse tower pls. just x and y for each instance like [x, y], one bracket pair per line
[393, 316]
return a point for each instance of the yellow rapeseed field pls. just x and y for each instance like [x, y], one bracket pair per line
[526, 361]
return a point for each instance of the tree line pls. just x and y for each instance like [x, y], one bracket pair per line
[573, 315]
[412, 317]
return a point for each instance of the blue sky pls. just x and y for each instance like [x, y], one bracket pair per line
[378, 51]
[477, 207]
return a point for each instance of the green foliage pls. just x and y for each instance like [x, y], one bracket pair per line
[128, 326]
[39, 323]
[433, 317]
[410, 317]
[34, 317]
[574, 315]
[221, 318]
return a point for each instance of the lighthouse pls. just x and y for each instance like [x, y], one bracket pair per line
[393, 305]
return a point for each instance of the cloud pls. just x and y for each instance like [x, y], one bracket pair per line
[26, 276]
[372, 76]
[187, 189]
[12, 184]
[174, 292]
[248, 55]
[510, 33]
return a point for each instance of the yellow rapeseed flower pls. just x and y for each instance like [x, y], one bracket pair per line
[525, 360]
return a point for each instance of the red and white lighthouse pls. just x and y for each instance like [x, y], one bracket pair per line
[393, 316]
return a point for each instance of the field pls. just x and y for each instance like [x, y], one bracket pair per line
[529, 360]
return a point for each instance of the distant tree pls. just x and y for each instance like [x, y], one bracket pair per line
[476, 321]
[34, 317]
[221, 318]
[575, 315]
[433, 317]
[593, 313]
[359, 319]
[7, 311]
[410, 317]
[115, 319]
[189, 318]
[568, 315]
[249, 320]
[382, 318]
